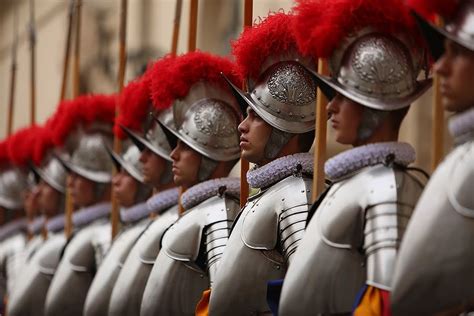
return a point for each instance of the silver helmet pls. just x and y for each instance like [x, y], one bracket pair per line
[206, 120]
[376, 70]
[13, 183]
[53, 174]
[284, 94]
[90, 159]
[459, 28]
[154, 140]
[129, 161]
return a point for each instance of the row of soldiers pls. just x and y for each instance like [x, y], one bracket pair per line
[380, 240]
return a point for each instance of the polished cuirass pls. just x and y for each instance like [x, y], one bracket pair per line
[191, 251]
[29, 296]
[434, 270]
[126, 297]
[352, 240]
[260, 247]
[98, 296]
[10, 263]
[76, 270]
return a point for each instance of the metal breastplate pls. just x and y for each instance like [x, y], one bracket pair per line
[98, 296]
[264, 237]
[126, 297]
[179, 275]
[11, 258]
[76, 270]
[351, 240]
[434, 270]
[29, 296]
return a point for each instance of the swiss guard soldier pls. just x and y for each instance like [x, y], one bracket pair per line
[434, 271]
[30, 292]
[276, 136]
[347, 257]
[89, 176]
[203, 132]
[13, 183]
[127, 294]
[131, 193]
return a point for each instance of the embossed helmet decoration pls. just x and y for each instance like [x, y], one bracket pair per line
[458, 16]
[91, 160]
[373, 47]
[282, 91]
[88, 120]
[205, 115]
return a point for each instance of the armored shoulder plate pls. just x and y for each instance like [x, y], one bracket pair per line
[182, 240]
[126, 297]
[434, 266]
[76, 270]
[268, 215]
[98, 296]
[150, 242]
[352, 240]
[29, 295]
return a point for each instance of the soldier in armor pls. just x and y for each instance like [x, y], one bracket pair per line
[131, 193]
[126, 296]
[276, 136]
[89, 176]
[203, 133]
[29, 295]
[13, 183]
[434, 272]
[346, 259]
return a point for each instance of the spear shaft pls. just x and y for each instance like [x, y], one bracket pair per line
[244, 164]
[11, 101]
[115, 215]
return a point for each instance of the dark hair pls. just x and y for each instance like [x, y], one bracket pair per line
[305, 140]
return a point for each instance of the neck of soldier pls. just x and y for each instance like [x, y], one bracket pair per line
[222, 170]
[163, 186]
[384, 133]
[291, 148]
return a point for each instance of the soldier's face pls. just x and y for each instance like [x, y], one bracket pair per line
[153, 167]
[125, 188]
[82, 190]
[456, 71]
[32, 202]
[186, 164]
[49, 199]
[254, 136]
[346, 117]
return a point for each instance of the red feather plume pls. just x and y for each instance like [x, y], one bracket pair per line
[43, 144]
[173, 77]
[133, 106]
[21, 144]
[83, 110]
[271, 36]
[320, 25]
[429, 8]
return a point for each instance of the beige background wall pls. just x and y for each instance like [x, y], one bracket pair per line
[149, 37]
